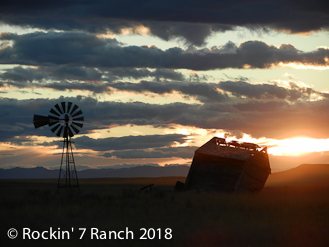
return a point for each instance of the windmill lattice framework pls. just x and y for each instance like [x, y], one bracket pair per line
[66, 120]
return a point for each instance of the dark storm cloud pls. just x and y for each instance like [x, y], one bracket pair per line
[258, 91]
[61, 86]
[168, 19]
[205, 92]
[98, 81]
[67, 72]
[136, 113]
[16, 117]
[78, 49]
[65, 77]
[63, 72]
[46, 48]
[56, 77]
[193, 33]
[20, 74]
[180, 152]
[209, 92]
[128, 142]
[65, 85]
[118, 73]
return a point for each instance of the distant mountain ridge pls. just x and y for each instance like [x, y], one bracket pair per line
[138, 171]
[303, 175]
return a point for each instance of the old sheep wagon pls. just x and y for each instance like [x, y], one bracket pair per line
[222, 166]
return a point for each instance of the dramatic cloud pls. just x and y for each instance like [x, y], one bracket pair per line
[118, 73]
[180, 152]
[273, 119]
[77, 48]
[193, 21]
[195, 34]
[205, 92]
[209, 92]
[67, 72]
[258, 91]
[65, 77]
[128, 142]
[60, 86]
[86, 50]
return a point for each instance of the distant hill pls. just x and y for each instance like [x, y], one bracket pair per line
[36, 172]
[303, 175]
[139, 171]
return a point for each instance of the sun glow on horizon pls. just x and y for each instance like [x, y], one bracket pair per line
[297, 146]
[287, 147]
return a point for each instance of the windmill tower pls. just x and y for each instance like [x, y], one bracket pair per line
[66, 121]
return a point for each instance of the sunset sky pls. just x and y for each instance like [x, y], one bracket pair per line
[157, 79]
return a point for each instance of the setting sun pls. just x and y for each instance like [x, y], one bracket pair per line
[297, 146]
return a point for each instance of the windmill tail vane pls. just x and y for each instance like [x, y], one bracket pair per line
[65, 120]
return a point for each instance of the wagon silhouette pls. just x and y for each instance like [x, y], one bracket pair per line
[221, 166]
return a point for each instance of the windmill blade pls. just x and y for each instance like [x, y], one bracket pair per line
[59, 131]
[70, 131]
[54, 112]
[79, 119]
[55, 128]
[69, 106]
[77, 124]
[40, 121]
[75, 129]
[58, 109]
[77, 113]
[74, 108]
[63, 106]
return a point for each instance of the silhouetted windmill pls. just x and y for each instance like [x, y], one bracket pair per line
[66, 121]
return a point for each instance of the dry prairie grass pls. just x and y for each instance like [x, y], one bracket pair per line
[280, 215]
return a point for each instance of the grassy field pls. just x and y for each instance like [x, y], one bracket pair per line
[277, 216]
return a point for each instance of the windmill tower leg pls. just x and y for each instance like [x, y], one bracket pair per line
[68, 177]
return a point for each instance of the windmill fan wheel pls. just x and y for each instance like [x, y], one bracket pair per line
[65, 119]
